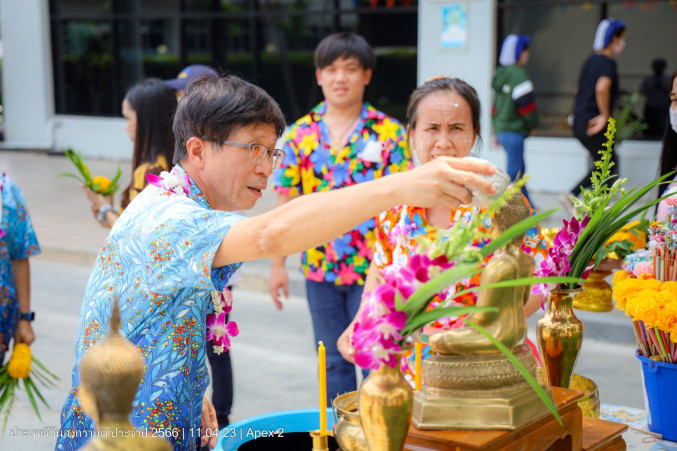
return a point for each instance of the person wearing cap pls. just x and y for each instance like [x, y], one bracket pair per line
[222, 369]
[188, 74]
[596, 93]
[513, 113]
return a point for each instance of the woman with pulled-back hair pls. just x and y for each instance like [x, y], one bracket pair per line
[443, 121]
[148, 107]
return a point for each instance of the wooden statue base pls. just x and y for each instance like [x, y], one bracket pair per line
[545, 433]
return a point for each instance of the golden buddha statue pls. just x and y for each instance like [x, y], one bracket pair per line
[508, 324]
[469, 383]
[110, 373]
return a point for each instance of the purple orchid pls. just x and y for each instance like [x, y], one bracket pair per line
[219, 333]
[557, 262]
[173, 181]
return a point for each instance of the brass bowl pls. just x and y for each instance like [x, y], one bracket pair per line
[348, 430]
[589, 403]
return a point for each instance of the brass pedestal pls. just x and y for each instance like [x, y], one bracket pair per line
[479, 392]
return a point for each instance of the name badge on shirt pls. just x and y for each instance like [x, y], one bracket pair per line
[372, 151]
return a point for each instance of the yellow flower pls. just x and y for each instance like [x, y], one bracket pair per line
[639, 242]
[386, 130]
[102, 182]
[314, 256]
[19, 366]
[308, 143]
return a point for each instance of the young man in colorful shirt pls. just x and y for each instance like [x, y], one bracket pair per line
[342, 141]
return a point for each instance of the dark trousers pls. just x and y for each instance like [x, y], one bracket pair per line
[222, 383]
[593, 145]
[332, 308]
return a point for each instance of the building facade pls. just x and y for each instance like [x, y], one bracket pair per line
[68, 63]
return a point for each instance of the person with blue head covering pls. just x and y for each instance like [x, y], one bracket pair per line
[514, 113]
[597, 91]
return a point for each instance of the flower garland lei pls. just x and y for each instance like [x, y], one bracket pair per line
[218, 331]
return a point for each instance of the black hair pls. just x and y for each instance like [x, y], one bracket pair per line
[456, 85]
[668, 159]
[215, 108]
[658, 66]
[344, 45]
[154, 103]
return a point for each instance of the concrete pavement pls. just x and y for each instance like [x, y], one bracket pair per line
[274, 356]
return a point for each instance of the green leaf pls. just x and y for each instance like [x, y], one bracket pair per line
[66, 174]
[441, 312]
[418, 301]
[520, 282]
[28, 380]
[514, 231]
[523, 371]
[52, 375]
[31, 398]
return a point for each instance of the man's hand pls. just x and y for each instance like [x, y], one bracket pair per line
[209, 426]
[24, 333]
[278, 280]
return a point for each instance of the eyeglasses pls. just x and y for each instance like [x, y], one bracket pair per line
[257, 152]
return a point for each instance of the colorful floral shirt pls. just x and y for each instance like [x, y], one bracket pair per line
[17, 241]
[157, 261]
[401, 229]
[376, 147]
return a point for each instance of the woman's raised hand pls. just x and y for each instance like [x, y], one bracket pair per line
[445, 181]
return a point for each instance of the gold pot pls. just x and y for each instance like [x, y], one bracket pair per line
[349, 434]
[560, 334]
[596, 294]
[589, 403]
[385, 403]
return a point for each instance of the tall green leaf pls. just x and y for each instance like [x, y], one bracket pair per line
[523, 371]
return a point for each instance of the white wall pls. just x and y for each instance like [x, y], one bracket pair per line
[98, 137]
[474, 63]
[554, 164]
[26, 73]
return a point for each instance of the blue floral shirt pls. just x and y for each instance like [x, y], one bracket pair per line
[17, 241]
[157, 260]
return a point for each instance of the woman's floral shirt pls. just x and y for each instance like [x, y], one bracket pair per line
[376, 147]
[157, 261]
[401, 229]
[17, 241]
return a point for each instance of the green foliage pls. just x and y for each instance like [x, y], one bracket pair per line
[606, 219]
[628, 123]
[85, 176]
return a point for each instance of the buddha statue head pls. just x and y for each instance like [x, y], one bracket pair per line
[514, 211]
[110, 373]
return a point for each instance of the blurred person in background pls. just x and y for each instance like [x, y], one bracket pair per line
[221, 365]
[596, 94]
[668, 161]
[656, 91]
[148, 107]
[341, 142]
[513, 113]
[17, 244]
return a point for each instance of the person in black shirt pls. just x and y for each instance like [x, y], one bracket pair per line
[597, 91]
[656, 91]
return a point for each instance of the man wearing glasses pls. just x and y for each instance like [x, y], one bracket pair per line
[342, 141]
[177, 244]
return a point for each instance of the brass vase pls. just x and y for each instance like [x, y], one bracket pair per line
[385, 403]
[560, 334]
[348, 430]
[596, 294]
